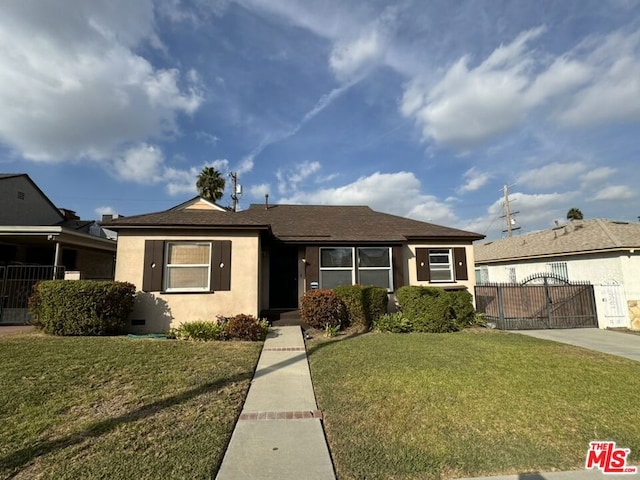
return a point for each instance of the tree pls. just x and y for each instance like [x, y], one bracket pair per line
[574, 214]
[210, 184]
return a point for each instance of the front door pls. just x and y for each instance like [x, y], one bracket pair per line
[283, 277]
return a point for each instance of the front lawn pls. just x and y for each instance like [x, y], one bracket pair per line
[472, 403]
[118, 408]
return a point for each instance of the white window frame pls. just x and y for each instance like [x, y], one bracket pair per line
[389, 268]
[355, 265]
[339, 269]
[441, 266]
[168, 267]
[482, 275]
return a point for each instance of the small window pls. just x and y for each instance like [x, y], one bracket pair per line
[559, 269]
[482, 275]
[440, 265]
[511, 274]
[188, 267]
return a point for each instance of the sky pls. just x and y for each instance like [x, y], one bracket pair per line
[424, 109]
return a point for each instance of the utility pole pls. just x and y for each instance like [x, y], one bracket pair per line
[237, 190]
[508, 213]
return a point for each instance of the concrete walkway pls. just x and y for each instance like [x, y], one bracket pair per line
[279, 434]
[606, 341]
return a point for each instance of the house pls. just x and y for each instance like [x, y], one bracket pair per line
[198, 260]
[40, 241]
[605, 253]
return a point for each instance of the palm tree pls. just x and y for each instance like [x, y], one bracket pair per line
[574, 214]
[210, 184]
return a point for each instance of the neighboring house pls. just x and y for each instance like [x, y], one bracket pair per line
[33, 231]
[199, 260]
[603, 252]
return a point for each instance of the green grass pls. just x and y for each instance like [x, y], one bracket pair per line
[117, 408]
[434, 406]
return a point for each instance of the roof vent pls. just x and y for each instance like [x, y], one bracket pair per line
[266, 201]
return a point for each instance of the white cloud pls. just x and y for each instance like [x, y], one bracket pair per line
[614, 192]
[596, 176]
[259, 190]
[474, 180]
[551, 175]
[289, 181]
[140, 164]
[106, 210]
[73, 86]
[397, 193]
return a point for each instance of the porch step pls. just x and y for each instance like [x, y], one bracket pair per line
[282, 317]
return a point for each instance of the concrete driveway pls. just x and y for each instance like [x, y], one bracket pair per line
[615, 343]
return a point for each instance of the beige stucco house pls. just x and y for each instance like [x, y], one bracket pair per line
[198, 260]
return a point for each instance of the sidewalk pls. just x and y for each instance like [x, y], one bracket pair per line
[279, 434]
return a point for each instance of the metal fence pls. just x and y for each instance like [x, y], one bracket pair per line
[529, 307]
[16, 286]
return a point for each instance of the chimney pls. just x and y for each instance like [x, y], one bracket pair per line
[68, 214]
[107, 217]
[266, 201]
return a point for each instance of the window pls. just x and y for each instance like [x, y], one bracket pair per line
[374, 266]
[188, 267]
[482, 275]
[336, 267]
[558, 269]
[348, 265]
[511, 274]
[440, 266]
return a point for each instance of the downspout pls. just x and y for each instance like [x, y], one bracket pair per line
[56, 261]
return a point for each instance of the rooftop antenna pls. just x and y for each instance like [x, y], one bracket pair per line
[266, 201]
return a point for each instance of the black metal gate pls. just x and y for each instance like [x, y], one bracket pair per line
[16, 286]
[542, 302]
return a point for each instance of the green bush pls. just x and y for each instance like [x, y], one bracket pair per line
[82, 307]
[434, 310]
[392, 323]
[245, 327]
[322, 308]
[200, 330]
[364, 304]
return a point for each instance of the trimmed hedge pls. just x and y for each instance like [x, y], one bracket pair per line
[435, 310]
[322, 309]
[364, 304]
[82, 307]
[246, 327]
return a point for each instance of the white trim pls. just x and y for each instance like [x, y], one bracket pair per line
[449, 265]
[167, 266]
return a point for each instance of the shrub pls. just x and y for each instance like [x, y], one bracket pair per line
[392, 323]
[364, 304]
[200, 330]
[322, 308]
[432, 309]
[245, 327]
[82, 307]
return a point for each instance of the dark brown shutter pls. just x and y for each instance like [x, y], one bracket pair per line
[422, 264]
[460, 260]
[398, 266]
[153, 265]
[312, 265]
[221, 265]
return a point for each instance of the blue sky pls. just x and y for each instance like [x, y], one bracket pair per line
[419, 108]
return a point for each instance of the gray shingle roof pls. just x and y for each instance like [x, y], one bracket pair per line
[576, 237]
[304, 223]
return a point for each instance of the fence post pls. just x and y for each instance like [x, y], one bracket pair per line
[547, 296]
[502, 325]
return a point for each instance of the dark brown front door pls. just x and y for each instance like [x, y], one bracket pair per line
[283, 277]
